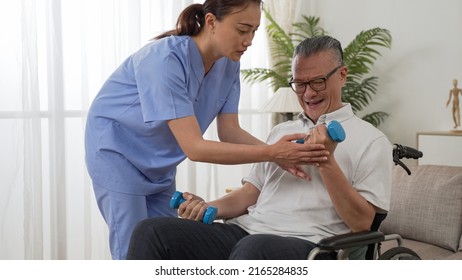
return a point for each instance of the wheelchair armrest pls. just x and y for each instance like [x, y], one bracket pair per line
[349, 240]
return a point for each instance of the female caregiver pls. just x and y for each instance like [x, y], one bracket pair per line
[152, 111]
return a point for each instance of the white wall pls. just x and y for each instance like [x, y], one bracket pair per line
[415, 75]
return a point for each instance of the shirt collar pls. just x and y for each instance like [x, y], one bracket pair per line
[340, 115]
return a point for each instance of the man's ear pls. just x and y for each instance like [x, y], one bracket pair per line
[343, 73]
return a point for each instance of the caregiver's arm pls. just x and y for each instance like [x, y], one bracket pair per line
[284, 152]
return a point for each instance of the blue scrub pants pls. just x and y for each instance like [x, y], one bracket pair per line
[123, 211]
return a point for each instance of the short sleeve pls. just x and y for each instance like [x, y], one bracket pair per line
[256, 175]
[373, 177]
[162, 85]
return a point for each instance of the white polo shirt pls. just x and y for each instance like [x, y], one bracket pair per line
[290, 206]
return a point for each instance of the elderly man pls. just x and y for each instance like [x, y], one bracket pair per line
[276, 215]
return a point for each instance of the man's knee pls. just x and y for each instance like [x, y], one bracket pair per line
[147, 239]
[148, 227]
[271, 247]
[252, 247]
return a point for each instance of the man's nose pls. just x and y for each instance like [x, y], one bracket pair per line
[309, 91]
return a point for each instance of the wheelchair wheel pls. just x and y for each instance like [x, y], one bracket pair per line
[399, 253]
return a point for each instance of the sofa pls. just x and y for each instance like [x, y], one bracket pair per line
[426, 211]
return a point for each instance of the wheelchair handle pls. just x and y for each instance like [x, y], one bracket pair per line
[406, 152]
[401, 151]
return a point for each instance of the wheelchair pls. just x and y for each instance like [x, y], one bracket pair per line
[344, 243]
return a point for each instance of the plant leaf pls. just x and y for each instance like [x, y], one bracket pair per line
[362, 52]
[375, 118]
[359, 93]
[257, 75]
[307, 28]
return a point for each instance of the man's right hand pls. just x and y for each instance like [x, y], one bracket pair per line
[193, 208]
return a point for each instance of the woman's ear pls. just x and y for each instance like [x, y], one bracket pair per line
[210, 21]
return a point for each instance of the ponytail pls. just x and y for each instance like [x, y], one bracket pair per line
[190, 22]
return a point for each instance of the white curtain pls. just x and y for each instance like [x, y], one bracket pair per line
[285, 11]
[54, 57]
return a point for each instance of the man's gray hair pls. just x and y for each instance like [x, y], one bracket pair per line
[317, 44]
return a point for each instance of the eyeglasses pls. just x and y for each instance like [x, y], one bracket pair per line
[317, 84]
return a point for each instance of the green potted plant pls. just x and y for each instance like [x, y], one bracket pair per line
[359, 56]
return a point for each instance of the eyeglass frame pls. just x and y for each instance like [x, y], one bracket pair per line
[324, 80]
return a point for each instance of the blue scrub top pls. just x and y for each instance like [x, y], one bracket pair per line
[129, 146]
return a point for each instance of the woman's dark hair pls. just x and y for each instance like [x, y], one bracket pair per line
[191, 19]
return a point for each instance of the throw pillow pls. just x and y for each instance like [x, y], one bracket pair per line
[427, 205]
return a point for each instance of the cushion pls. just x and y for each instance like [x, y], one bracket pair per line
[460, 243]
[425, 251]
[427, 205]
[456, 256]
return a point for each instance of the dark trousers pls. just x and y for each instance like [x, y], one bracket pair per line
[173, 238]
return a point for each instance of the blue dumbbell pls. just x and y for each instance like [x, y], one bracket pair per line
[209, 215]
[335, 131]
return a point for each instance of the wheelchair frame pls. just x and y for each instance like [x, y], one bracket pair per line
[344, 243]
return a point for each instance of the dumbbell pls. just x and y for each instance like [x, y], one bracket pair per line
[334, 130]
[210, 212]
